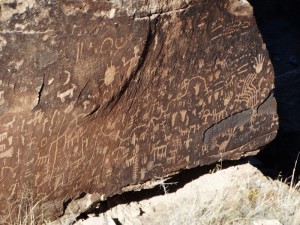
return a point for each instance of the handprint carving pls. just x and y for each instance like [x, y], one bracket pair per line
[259, 61]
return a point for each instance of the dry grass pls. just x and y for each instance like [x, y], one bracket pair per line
[252, 203]
[233, 201]
[243, 204]
[29, 212]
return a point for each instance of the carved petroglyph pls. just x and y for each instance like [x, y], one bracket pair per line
[7, 153]
[110, 74]
[159, 152]
[249, 91]
[2, 147]
[3, 136]
[79, 50]
[107, 45]
[228, 97]
[67, 79]
[121, 104]
[10, 124]
[69, 92]
[50, 81]
[259, 60]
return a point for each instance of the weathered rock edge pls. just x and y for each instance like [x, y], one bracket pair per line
[212, 199]
[96, 96]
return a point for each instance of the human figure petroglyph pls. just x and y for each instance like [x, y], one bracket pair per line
[197, 89]
[165, 102]
[204, 115]
[187, 142]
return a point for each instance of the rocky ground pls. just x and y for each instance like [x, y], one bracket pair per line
[236, 195]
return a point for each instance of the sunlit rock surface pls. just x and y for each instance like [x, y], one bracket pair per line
[99, 95]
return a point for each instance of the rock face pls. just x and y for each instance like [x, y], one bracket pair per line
[98, 95]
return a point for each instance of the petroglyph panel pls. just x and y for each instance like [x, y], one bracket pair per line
[96, 95]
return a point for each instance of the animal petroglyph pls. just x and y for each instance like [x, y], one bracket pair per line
[69, 93]
[125, 97]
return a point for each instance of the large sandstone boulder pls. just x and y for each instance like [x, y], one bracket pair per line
[99, 95]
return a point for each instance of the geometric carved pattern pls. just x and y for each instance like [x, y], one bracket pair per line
[96, 95]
